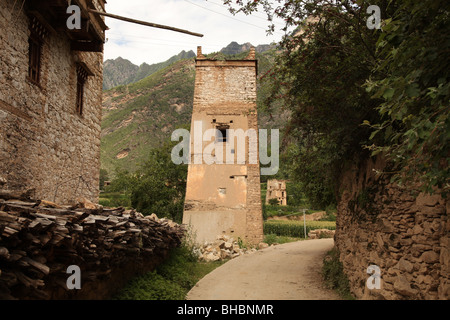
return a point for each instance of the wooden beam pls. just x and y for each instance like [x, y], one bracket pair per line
[96, 27]
[90, 46]
[148, 24]
[15, 111]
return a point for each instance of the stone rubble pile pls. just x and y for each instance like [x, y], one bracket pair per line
[321, 233]
[224, 247]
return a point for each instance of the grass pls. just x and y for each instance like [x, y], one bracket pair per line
[272, 238]
[334, 276]
[171, 280]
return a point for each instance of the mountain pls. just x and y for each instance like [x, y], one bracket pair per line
[235, 48]
[141, 115]
[121, 71]
[118, 71]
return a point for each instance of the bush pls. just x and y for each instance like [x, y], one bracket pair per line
[334, 276]
[329, 217]
[171, 280]
[152, 286]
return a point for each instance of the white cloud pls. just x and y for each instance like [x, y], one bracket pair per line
[145, 44]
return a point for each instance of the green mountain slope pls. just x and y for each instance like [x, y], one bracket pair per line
[121, 71]
[138, 116]
[117, 72]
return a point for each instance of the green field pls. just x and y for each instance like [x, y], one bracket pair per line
[295, 229]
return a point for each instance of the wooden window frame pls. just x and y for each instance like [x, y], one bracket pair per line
[223, 129]
[35, 45]
[34, 59]
[80, 95]
[83, 73]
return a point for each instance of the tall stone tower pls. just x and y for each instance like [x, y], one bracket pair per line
[224, 198]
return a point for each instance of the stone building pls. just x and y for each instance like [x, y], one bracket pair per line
[224, 198]
[50, 99]
[276, 189]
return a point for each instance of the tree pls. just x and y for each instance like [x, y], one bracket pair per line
[335, 74]
[319, 76]
[274, 202]
[412, 57]
[103, 177]
[160, 185]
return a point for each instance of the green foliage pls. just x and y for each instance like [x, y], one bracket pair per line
[295, 228]
[352, 89]
[272, 238]
[158, 186]
[274, 202]
[412, 55]
[319, 77]
[161, 185]
[329, 217]
[103, 177]
[171, 280]
[123, 182]
[277, 210]
[295, 194]
[115, 199]
[333, 273]
[151, 286]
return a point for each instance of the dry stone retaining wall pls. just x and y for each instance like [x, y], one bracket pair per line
[402, 231]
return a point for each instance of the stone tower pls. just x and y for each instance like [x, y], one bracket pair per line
[224, 197]
[276, 189]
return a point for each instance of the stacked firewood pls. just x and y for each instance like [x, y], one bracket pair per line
[39, 240]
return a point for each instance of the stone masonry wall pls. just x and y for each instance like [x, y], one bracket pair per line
[44, 144]
[402, 231]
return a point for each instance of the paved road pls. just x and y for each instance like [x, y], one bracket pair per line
[289, 271]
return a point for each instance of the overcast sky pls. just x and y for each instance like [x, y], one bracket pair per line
[209, 17]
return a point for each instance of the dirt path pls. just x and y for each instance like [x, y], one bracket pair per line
[289, 271]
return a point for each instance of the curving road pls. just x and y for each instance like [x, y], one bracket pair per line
[290, 271]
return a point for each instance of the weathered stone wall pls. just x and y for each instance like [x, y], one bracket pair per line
[224, 198]
[44, 144]
[402, 231]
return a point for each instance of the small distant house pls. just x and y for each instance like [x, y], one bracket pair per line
[276, 189]
[50, 98]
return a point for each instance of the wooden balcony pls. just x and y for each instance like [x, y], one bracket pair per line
[52, 14]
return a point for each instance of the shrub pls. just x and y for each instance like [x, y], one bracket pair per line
[334, 276]
[273, 202]
[171, 280]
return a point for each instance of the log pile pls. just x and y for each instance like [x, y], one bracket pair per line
[39, 240]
